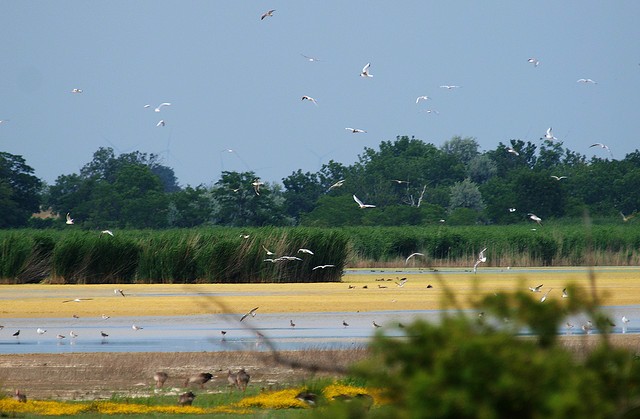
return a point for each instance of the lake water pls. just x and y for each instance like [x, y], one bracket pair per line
[203, 333]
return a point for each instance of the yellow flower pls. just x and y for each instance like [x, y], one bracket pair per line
[283, 399]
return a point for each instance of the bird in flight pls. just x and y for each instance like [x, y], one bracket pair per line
[533, 61]
[105, 317]
[602, 146]
[322, 267]
[77, 300]
[535, 218]
[251, 313]
[109, 232]
[376, 325]
[587, 81]
[512, 209]
[365, 71]
[544, 297]
[401, 282]
[359, 202]
[118, 291]
[310, 59]
[256, 185]
[307, 251]
[41, 331]
[398, 181]
[269, 252]
[512, 151]
[481, 259]
[549, 135]
[558, 177]
[536, 289]
[310, 99]
[160, 106]
[449, 86]
[430, 111]
[412, 255]
[355, 130]
[134, 327]
[419, 98]
[336, 185]
[76, 91]
[565, 294]
[69, 219]
[161, 123]
[268, 13]
[626, 218]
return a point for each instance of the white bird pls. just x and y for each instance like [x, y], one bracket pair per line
[626, 218]
[535, 289]
[310, 99]
[481, 259]
[586, 81]
[401, 282]
[109, 232]
[269, 252]
[412, 255]
[419, 98]
[76, 91]
[105, 317]
[625, 320]
[160, 106]
[558, 177]
[268, 13]
[73, 334]
[256, 185]
[535, 218]
[77, 300]
[565, 294]
[336, 185]
[311, 59]
[512, 209]
[376, 325]
[604, 147]
[322, 267]
[355, 130]
[2, 121]
[533, 61]
[69, 219]
[287, 258]
[307, 251]
[544, 297]
[161, 123]
[251, 313]
[41, 331]
[134, 327]
[365, 71]
[430, 111]
[512, 151]
[549, 135]
[449, 86]
[118, 291]
[587, 327]
[359, 202]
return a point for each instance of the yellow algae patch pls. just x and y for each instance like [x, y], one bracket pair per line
[358, 292]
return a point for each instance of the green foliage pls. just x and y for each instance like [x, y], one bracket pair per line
[471, 367]
[19, 191]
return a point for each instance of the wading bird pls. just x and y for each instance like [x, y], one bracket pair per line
[251, 313]
[256, 185]
[564, 293]
[307, 251]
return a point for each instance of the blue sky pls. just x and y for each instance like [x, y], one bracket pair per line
[236, 82]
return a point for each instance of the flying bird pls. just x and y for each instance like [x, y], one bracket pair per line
[449, 86]
[105, 317]
[481, 259]
[533, 61]
[376, 325]
[419, 98]
[512, 151]
[402, 282]
[336, 185]
[69, 219]
[161, 123]
[109, 232]
[307, 251]
[41, 331]
[565, 294]
[359, 202]
[269, 252]
[586, 81]
[322, 267]
[412, 255]
[544, 297]
[310, 99]
[558, 177]
[535, 218]
[77, 300]
[17, 333]
[355, 130]
[160, 106]
[311, 59]
[268, 13]
[512, 209]
[76, 91]
[549, 135]
[365, 71]
[430, 111]
[134, 327]
[73, 334]
[536, 289]
[251, 313]
[626, 218]
[602, 146]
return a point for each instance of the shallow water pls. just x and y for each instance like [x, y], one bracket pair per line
[203, 333]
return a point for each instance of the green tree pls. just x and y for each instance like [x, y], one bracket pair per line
[464, 149]
[19, 191]
[302, 190]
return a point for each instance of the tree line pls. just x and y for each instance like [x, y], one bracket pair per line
[410, 182]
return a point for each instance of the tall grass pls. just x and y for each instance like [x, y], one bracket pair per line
[233, 255]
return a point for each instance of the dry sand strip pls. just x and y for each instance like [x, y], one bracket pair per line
[362, 292]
